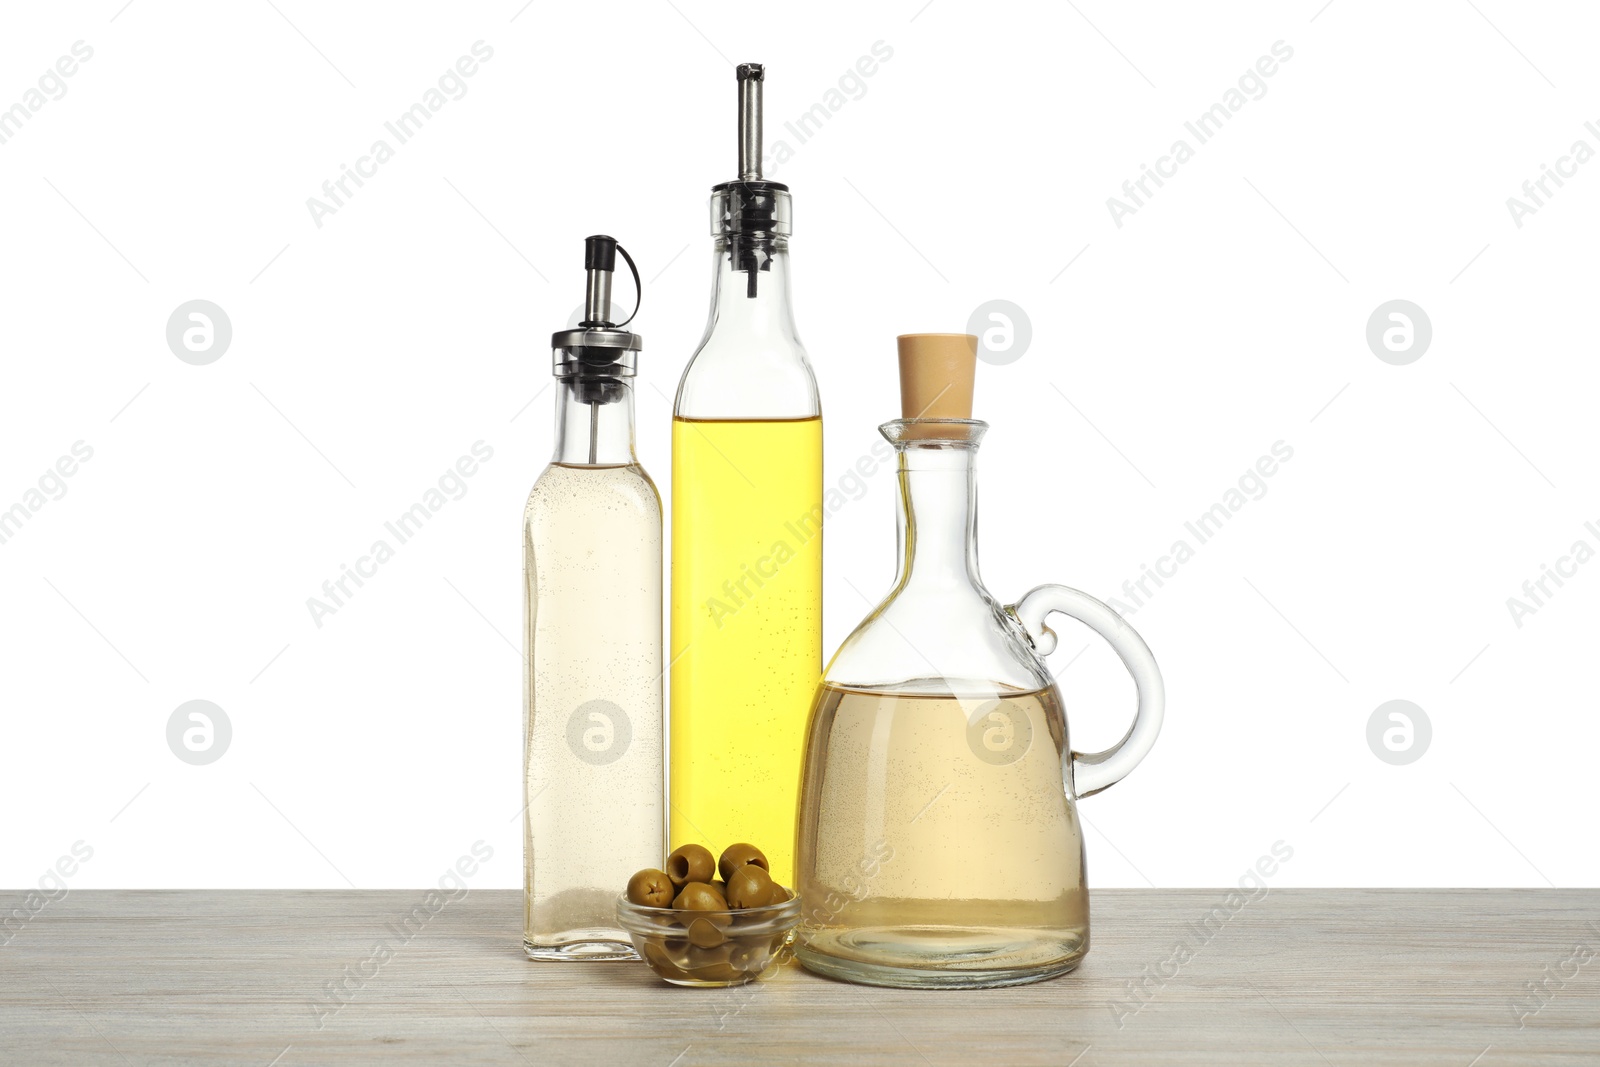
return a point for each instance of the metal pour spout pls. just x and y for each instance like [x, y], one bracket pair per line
[751, 213]
[600, 259]
[751, 76]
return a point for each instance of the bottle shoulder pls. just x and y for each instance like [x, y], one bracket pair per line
[571, 489]
[752, 379]
[957, 632]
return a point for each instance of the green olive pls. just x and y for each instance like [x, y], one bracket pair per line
[698, 896]
[703, 933]
[736, 856]
[678, 950]
[750, 887]
[780, 894]
[747, 955]
[650, 888]
[690, 863]
[659, 958]
[711, 965]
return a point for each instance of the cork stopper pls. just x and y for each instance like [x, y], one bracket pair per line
[936, 372]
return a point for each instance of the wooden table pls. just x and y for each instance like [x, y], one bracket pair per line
[1436, 977]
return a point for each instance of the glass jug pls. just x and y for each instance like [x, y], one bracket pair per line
[938, 843]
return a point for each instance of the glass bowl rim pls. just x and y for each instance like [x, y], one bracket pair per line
[656, 917]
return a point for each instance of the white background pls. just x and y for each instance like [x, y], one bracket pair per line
[1227, 314]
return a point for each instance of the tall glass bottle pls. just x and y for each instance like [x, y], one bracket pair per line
[746, 530]
[592, 640]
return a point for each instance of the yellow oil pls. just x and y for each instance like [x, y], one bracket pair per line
[746, 628]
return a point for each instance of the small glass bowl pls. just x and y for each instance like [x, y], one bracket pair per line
[710, 948]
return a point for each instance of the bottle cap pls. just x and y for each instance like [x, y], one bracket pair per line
[600, 352]
[936, 371]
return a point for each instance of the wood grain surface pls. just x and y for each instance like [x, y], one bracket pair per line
[1318, 977]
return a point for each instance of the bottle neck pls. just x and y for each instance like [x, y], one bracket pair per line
[597, 434]
[750, 287]
[938, 520]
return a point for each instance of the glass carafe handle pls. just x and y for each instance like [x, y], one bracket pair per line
[1092, 772]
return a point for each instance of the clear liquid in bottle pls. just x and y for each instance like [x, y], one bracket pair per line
[950, 851]
[594, 733]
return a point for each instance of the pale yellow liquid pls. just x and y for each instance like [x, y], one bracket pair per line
[939, 847]
[593, 726]
[746, 628]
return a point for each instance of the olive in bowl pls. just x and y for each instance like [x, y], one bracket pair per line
[710, 948]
